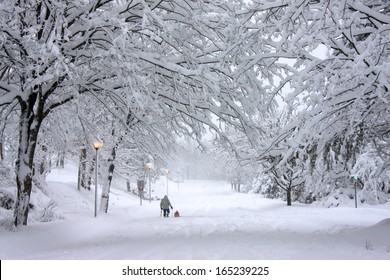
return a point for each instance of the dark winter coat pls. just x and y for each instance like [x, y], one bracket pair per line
[165, 203]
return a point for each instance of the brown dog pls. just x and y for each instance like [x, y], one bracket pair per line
[176, 214]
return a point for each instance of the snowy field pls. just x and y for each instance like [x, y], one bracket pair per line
[216, 223]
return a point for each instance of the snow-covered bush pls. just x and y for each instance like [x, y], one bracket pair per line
[48, 212]
[370, 172]
[41, 206]
[260, 184]
[339, 197]
[7, 198]
[7, 187]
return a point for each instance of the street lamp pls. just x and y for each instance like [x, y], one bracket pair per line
[166, 175]
[149, 167]
[178, 179]
[96, 145]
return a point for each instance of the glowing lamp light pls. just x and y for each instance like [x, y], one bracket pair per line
[97, 145]
[149, 166]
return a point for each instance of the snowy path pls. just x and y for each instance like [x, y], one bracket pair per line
[216, 223]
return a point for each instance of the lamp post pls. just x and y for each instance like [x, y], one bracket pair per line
[355, 180]
[149, 167]
[96, 145]
[178, 180]
[166, 175]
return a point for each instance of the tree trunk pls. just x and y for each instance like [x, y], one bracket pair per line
[61, 160]
[82, 182]
[29, 124]
[289, 196]
[128, 184]
[43, 162]
[111, 166]
[1, 151]
[107, 185]
[91, 171]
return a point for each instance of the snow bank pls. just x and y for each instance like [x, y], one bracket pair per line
[215, 223]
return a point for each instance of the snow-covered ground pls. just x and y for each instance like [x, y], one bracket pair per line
[216, 223]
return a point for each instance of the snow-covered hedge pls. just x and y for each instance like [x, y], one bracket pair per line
[42, 207]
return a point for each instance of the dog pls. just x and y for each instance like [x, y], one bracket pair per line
[177, 214]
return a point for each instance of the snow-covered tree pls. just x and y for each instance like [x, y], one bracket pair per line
[329, 61]
[177, 59]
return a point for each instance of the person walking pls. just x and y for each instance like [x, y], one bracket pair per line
[165, 204]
